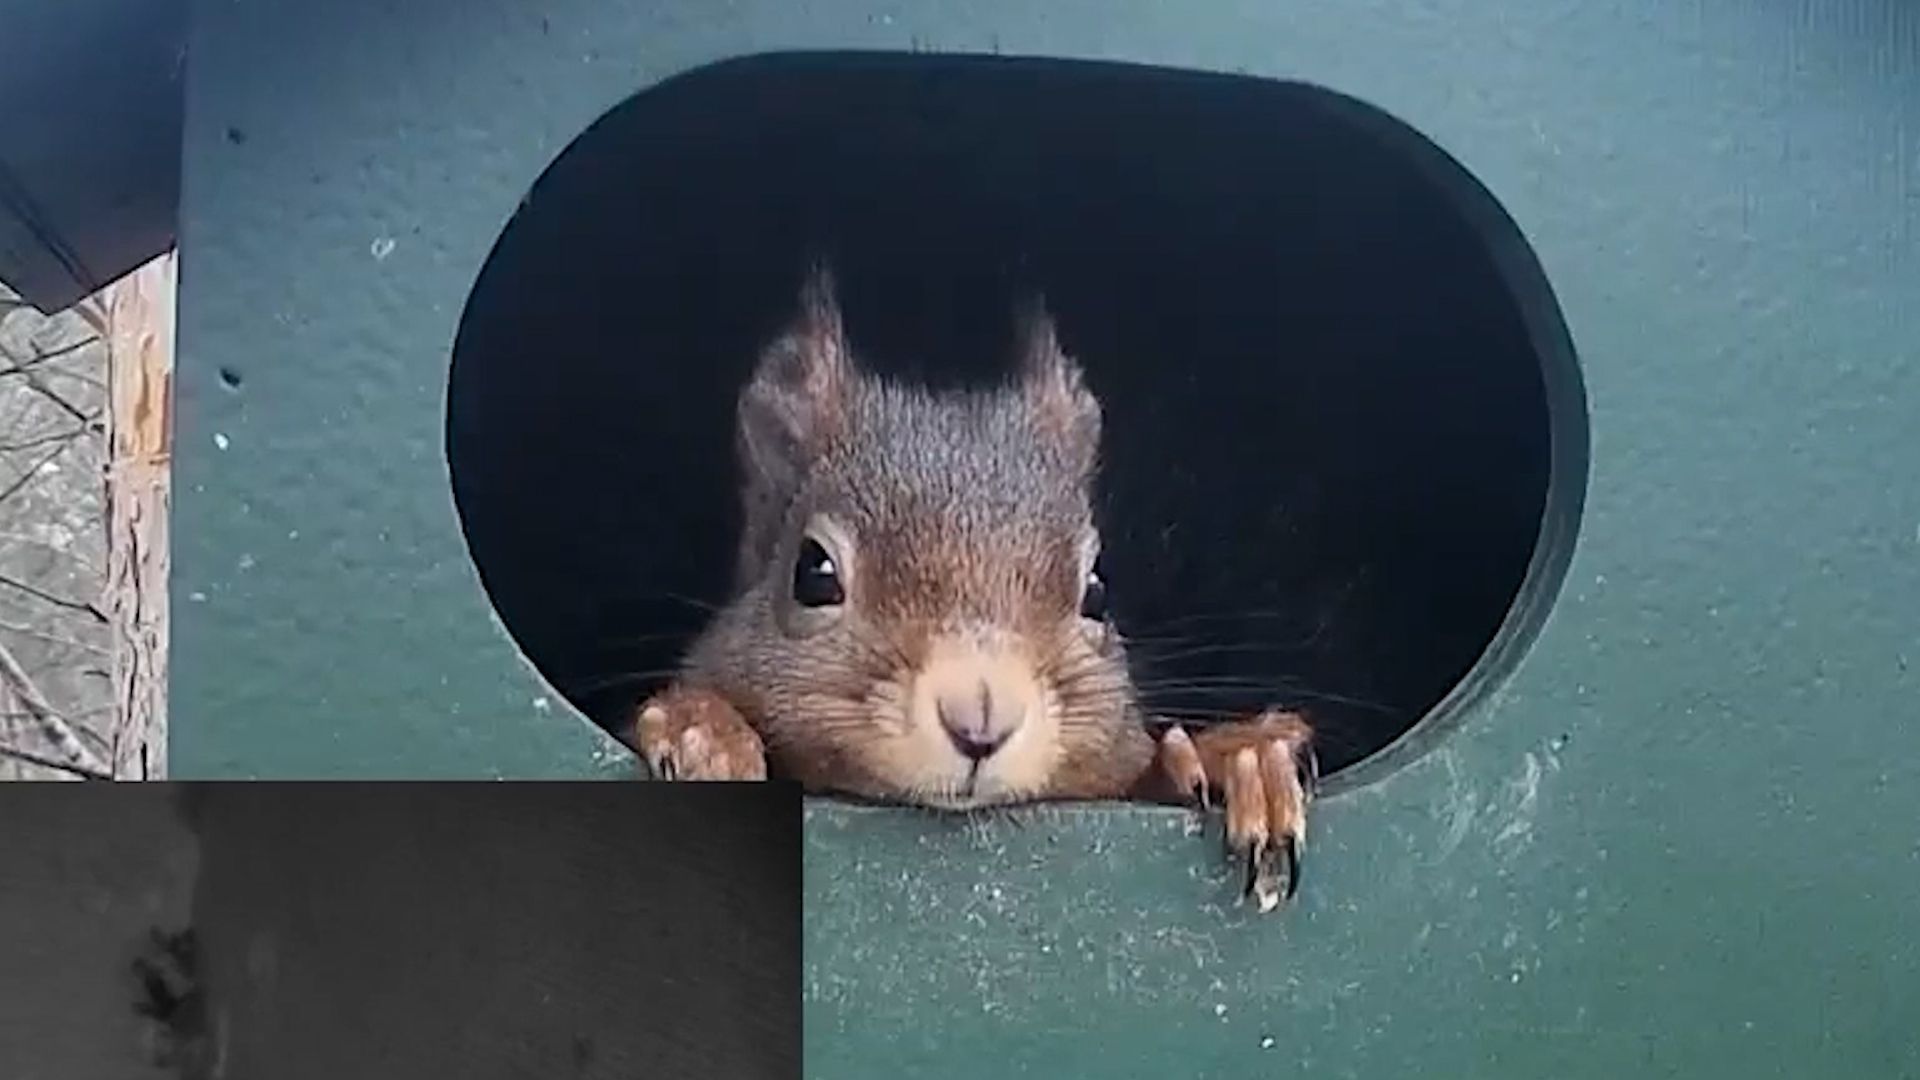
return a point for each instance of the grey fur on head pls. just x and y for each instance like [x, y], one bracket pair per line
[960, 524]
[793, 406]
[808, 401]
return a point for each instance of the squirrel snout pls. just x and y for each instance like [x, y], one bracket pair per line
[971, 721]
[979, 701]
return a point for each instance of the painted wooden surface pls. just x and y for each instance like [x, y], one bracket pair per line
[1676, 839]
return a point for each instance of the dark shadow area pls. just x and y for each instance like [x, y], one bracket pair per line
[1328, 428]
[89, 143]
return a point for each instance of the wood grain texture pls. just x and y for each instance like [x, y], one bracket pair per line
[140, 317]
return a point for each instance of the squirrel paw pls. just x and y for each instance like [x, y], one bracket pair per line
[689, 734]
[1265, 772]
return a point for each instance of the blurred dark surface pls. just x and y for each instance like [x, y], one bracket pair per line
[87, 872]
[487, 931]
[378, 931]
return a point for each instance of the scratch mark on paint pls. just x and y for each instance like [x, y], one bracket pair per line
[1526, 790]
[1462, 803]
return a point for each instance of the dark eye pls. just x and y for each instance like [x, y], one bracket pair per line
[816, 581]
[1093, 597]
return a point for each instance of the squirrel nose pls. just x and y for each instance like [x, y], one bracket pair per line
[976, 723]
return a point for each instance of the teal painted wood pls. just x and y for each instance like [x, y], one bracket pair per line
[1679, 840]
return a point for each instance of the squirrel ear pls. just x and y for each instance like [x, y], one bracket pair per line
[796, 399]
[1053, 383]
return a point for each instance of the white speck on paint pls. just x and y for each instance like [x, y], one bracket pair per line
[381, 248]
[1266, 1042]
[221, 441]
[197, 597]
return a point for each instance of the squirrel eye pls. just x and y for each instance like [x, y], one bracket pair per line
[816, 581]
[1093, 597]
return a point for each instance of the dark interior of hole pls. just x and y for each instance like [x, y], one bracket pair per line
[1327, 431]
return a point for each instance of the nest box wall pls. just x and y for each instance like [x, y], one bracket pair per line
[1661, 831]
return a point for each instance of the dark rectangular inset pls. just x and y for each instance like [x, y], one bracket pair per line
[473, 930]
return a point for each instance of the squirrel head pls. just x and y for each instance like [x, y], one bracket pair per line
[919, 616]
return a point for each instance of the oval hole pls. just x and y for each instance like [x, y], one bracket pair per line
[1346, 436]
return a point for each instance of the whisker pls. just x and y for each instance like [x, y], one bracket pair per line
[1283, 697]
[619, 679]
[1201, 618]
[690, 601]
[1158, 652]
[644, 639]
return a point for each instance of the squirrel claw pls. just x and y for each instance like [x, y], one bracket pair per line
[1273, 875]
[1267, 773]
[1181, 763]
[688, 734]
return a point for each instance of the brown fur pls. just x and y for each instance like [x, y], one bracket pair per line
[960, 527]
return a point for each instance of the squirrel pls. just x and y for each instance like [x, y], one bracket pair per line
[918, 614]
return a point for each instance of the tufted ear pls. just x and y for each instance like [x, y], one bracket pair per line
[796, 400]
[1054, 387]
